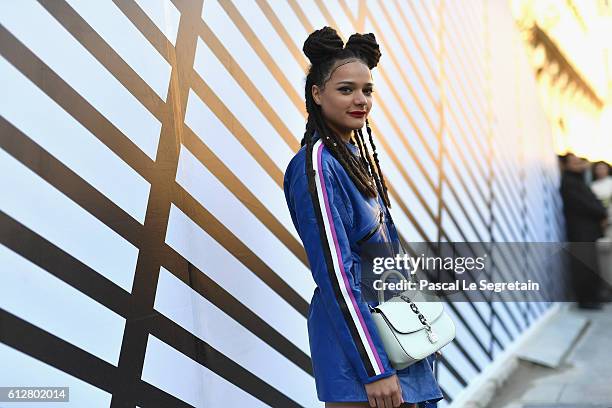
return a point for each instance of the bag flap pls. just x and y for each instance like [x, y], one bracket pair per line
[398, 314]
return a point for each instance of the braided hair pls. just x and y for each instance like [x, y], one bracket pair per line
[324, 49]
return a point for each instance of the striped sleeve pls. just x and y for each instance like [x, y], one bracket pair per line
[333, 273]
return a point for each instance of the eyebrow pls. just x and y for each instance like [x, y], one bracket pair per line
[353, 83]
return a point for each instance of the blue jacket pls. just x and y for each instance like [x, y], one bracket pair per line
[333, 222]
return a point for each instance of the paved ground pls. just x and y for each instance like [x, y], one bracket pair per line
[583, 380]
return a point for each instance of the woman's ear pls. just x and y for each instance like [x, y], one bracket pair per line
[316, 94]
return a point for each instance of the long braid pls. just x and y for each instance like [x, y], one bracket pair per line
[310, 129]
[362, 153]
[310, 172]
[380, 174]
[366, 153]
[372, 169]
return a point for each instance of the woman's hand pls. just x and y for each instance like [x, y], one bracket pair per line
[385, 393]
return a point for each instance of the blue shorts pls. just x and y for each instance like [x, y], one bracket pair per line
[336, 380]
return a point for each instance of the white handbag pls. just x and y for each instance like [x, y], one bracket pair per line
[410, 330]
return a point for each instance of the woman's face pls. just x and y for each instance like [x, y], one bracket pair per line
[601, 171]
[346, 98]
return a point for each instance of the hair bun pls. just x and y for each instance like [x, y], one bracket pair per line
[322, 44]
[366, 46]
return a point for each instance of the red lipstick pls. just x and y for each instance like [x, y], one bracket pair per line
[357, 114]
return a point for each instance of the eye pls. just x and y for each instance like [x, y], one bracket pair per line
[368, 91]
[345, 90]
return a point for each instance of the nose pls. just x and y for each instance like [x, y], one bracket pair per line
[360, 99]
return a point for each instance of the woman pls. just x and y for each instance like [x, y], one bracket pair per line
[602, 187]
[337, 198]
